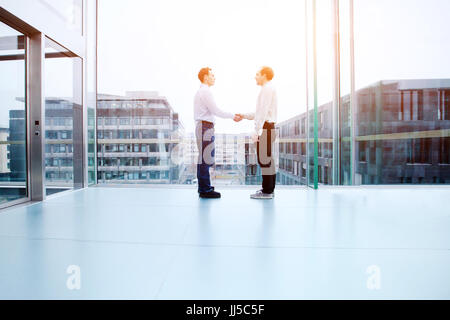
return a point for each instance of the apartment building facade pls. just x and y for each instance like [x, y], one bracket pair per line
[401, 136]
[136, 136]
[4, 153]
[229, 165]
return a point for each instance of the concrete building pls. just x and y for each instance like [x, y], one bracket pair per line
[190, 155]
[402, 136]
[229, 166]
[252, 169]
[4, 151]
[59, 144]
[136, 135]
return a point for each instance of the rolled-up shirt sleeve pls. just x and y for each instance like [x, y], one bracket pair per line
[249, 116]
[210, 103]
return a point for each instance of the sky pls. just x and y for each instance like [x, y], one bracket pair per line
[160, 45]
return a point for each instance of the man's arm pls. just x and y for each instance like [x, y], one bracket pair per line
[248, 116]
[213, 108]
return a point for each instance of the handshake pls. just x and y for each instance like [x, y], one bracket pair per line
[238, 117]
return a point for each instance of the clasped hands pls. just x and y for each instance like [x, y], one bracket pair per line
[238, 117]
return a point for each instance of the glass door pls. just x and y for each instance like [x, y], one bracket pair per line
[13, 117]
[63, 119]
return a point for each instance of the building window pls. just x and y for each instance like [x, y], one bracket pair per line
[303, 148]
[362, 151]
[110, 121]
[444, 154]
[444, 105]
[322, 118]
[294, 148]
[420, 151]
[417, 105]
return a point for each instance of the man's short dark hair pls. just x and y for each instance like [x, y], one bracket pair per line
[268, 72]
[203, 72]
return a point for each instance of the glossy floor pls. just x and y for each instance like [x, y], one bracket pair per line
[166, 243]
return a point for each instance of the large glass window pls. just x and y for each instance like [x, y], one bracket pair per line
[402, 76]
[63, 119]
[363, 89]
[91, 85]
[68, 11]
[160, 120]
[321, 106]
[13, 119]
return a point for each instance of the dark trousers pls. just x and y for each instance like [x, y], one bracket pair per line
[204, 133]
[266, 161]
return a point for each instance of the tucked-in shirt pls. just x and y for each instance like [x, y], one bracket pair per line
[205, 108]
[266, 108]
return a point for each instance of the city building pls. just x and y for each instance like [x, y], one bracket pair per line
[229, 166]
[59, 143]
[4, 152]
[17, 151]
[293, 148]
[253, 175]
[189, 159]
[229, 162]
[137, 135]
[402, 136]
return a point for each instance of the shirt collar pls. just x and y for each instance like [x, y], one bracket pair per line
[268, 83]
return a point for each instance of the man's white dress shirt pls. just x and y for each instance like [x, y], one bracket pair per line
[266, 108]
[205, 108]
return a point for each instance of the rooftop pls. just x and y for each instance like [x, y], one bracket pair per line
[166, 243]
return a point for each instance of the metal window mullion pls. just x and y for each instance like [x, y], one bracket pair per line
[316, 133]
[336, 95]
[353, 100]
[27, 117]
[85, 115]
[307, 97]
[36, 120]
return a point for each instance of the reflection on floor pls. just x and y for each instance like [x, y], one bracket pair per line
[335, 243]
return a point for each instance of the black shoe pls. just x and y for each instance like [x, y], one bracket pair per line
[210, 195]
[212, 189]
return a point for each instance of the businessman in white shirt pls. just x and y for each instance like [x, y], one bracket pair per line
[264, 135]
[205, 111]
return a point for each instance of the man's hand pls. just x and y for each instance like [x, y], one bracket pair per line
[238, 117]
[255, 138]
